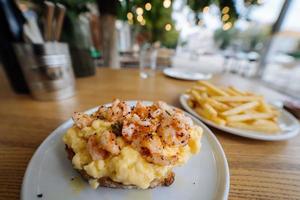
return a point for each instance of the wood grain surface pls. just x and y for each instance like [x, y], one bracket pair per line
[258, 169]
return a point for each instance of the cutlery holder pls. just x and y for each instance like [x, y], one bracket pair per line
[48, 70]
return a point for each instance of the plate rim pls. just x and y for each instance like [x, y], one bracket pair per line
[235, 131]
[213, 142]
[166, 72]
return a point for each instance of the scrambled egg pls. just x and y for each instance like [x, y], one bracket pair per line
[129, 167]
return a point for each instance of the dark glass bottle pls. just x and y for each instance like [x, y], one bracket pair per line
[11, 31]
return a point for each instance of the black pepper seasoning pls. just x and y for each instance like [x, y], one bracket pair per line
[39, 195]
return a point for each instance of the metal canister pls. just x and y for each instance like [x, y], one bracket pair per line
[48, 69]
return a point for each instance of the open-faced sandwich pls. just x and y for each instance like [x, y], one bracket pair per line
[131, 147]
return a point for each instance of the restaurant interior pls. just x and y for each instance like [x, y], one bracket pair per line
[149, 99]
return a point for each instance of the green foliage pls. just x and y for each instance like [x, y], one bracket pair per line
[198, 6]
[232, 9]
[224, 38]
[251, 2]
[155, 20]
[170, 39]
[255, 34]
[123, 8]
[248, 39]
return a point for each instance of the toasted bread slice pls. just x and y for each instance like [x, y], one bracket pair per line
[107, 182]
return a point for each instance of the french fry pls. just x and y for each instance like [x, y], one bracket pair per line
[210, 110]
[264, 107]
[231, 92]
[237, 91]
[266, 128]
[213, 88]
[237, 98]
[204, 95]
[267, 123]
[199, 88]
[217, 105]
[240, 108]
[247, 117]
[231, 107]
[250, 112]
[274, 119]
[216, 120]
[250, 94]
[190, 103]
[233, 104]
[263, 122]
[197, 97]
[202, 113]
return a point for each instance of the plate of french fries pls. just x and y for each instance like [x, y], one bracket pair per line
[239, 112]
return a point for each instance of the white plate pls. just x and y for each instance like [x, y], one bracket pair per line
[186, 74]
[288, 123]
[205, 176]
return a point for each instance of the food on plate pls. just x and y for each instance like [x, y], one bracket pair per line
[232, 107]
[131, 147]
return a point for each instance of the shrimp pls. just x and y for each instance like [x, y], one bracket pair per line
[82, 120]
[144, 126]
[114, 113]
[156, 113]
[174, 125]
[164, 107]
[135, 118]
[118, 111]
[122, 106]
[174, 129]
[150, 147]
[128, 130]
[101, 113]
[99, 146]
[134, 124]
[161, 109]
[141, 110]
[107, 140]
[96, 152]
[151, 142]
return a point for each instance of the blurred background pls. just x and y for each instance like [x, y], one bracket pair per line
[251, 38]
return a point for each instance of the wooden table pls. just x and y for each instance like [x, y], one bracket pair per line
[259, 170]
